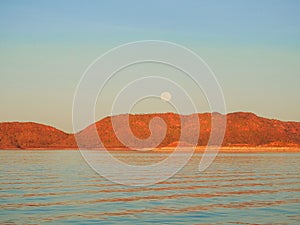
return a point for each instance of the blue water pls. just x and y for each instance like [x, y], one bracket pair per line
[58, 187]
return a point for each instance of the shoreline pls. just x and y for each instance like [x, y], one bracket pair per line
[243, 149]
[198, 149]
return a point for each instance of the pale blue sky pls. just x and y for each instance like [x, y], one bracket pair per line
[252, 46]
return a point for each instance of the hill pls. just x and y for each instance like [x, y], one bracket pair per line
[24, 135]
[243, 129]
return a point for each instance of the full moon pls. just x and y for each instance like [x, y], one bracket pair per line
[165, 96]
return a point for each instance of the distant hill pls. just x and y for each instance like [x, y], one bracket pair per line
[247, 128]
[24, 135]
[243, 129]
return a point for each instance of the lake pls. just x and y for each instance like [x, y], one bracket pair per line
[59, 187]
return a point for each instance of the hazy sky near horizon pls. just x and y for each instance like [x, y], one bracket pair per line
[253, 47]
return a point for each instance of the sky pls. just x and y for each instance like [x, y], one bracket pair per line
[253, 47]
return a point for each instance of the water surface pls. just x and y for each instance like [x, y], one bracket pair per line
[58, 187]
